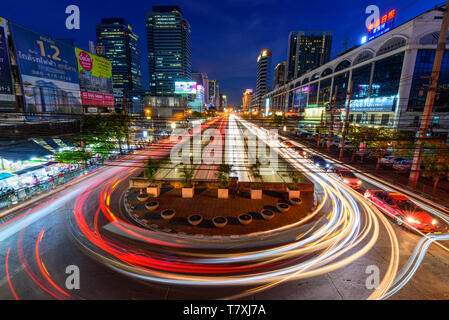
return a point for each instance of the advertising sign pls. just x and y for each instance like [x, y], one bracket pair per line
[95, 75]
[184, 87]
[48, 70]
[381, 25]
[374, 104]
[7, 99]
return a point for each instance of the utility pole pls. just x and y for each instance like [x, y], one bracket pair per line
[331, 129]
[320, 128]
[430, 99]
[346, 125]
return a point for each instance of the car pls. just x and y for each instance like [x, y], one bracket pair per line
[404, 211]
[299, 151]
[287, 144]
[390, 160]
[346, 176]
[318, 161]
[403, 165]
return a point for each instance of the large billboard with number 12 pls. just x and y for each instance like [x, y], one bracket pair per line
[49, 74]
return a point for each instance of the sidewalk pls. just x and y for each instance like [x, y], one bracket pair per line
[424, 186]
[23, 196]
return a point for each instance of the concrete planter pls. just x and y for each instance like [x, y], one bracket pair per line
[245, 219]
[152, 205]
[154, 191]
[256, 194]
[283, 207]
[143, 197]
[267, 214]
[220, 222]
[187, 192]
[223, 193]
[168, 214]
[195, 219]
[293, 194]
[296, 201]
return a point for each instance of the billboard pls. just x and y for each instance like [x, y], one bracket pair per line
[184, 87]
[95, 74]
[7, 99]
[374, 104]
[381, 25]
[49, 75]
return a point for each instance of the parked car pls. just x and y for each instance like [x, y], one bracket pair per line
[402, 165]
[346, 176]
[404, 211]
[390, 160]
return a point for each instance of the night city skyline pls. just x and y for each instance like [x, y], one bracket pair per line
[207, 158]
[227, 36]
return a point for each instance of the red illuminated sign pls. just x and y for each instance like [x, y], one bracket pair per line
[385, 18]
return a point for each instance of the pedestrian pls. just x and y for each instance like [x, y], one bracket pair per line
[35, 180]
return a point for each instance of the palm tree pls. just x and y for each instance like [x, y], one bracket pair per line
[151, 169]
[223, 174]
[187, 176]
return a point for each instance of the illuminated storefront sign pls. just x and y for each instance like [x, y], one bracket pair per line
[381, 25]
[313, 113]
[374, 104]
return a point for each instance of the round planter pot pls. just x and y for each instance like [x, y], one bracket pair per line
[245, 219]
[296, 201]
[195, 219]
[220, 222]
[152, 205]
[168, 214]
[283, 207]
[143, 197]
[267, 214]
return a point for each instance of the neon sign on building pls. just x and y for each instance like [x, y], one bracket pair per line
[381, 25]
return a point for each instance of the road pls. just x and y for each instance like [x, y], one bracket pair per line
[327, 256]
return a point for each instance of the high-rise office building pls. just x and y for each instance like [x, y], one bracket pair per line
[279, 75]
[223, 102]
[307, 51]
[264, 76]
[246, 100]
[214, 93]
[169, 49]
[117, 42]
[202, 79]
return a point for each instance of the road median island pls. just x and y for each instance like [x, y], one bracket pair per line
[206, 204]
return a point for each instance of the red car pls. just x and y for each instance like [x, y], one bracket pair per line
[402, 210]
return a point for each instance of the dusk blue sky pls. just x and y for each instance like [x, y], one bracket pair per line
[227, 35]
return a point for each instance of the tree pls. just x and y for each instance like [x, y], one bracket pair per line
[224, 170]
[357, 135]
[295, 176]
[151, 168]
[436, 162]
[187, 176]
[384, 141]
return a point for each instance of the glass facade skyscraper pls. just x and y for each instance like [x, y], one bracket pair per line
[307, 51]
[264, 76]
[120, 45]
[169, 49]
